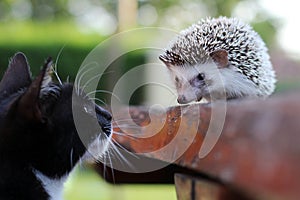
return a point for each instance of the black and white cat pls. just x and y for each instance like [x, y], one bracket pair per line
[39, 143]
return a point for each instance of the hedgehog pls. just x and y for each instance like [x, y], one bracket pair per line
[219, 58]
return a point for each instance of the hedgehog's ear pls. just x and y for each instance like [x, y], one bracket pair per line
[220, 57]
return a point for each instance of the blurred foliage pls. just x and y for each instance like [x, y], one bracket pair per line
[36, 55]
[193, 10]
[41, 40]
[176, 14]
[41, 28]
[67, 46]
[220, 7]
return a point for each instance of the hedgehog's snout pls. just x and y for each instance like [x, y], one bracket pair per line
[181, 99]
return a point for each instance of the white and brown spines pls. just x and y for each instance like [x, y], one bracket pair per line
[247, 53]
[171, 58]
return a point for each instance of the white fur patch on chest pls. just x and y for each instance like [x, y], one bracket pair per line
[53, 186]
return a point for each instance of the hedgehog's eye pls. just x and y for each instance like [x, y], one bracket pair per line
[201, 76]
[176, 79]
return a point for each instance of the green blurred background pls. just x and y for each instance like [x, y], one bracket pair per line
[68, 30]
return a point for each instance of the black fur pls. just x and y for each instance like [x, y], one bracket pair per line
[37, 130]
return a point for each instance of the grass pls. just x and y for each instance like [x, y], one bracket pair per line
[88, 185]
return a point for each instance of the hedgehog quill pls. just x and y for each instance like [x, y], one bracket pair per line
[219, 58]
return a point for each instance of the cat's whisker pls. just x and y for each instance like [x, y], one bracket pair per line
[111, 167]
[126, 124]
[116, 145]
[71, 157]
[119, 157]
[80, 162]
[102, 158]
[123, 120]
[94, 77]
[107, 141]
[103, 144]
[112, 151]
[77, 83]
[122, 158]
[81, 77]
[104, 168]
[129, 126]
[68, 79]
[102, 91]
[55, 70]
[125, 135]
[88, 82]
[86, 65]
[99, 100]
[108, 160]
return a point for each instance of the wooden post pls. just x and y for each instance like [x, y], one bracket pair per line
[127, 14]
[193, 188]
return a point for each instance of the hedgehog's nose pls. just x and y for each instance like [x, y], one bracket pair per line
[182, 99]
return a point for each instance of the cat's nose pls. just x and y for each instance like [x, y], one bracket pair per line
[104, 119]
[104, 113]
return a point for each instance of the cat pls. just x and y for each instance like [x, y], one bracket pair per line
[39, 142]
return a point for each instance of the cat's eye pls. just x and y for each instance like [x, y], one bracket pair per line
[201, 76]
[85, 109]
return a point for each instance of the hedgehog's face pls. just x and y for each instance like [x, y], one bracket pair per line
[189, 82]
[197, 81]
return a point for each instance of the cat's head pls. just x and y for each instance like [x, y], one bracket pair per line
[36, 119]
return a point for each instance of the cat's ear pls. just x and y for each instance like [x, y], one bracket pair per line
[17, 76]
[28, 105]
[220, 57]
